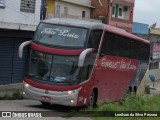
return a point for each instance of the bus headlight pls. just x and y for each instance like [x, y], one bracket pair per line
[26, 85]
[69, 92]
[24, 93]
[72, 101]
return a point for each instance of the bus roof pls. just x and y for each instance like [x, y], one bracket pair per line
[75, 22]
[93, 25]
[122, 32]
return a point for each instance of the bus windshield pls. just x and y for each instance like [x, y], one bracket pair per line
[63, 36]
[53, 68]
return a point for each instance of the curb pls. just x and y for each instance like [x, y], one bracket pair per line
[10, 88]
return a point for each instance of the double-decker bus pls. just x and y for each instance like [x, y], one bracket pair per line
[77, 63]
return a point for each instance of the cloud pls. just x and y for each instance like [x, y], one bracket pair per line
[142, 5]
[146, 5]
[147, 11]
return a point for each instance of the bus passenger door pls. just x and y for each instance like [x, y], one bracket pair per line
[103, 80]
[106, 75]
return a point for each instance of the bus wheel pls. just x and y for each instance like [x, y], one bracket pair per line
[91, 101]
[45, 103]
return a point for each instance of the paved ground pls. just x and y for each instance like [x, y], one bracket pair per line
[10, 88]
[56, 111]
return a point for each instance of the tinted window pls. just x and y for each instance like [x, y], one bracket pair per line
[121, 46]
[53, 68]
[63, 36]
[85, 71]
[94, 39]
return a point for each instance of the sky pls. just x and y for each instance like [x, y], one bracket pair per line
[147, 11]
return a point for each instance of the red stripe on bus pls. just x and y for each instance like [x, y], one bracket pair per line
[55, 50]
[50, 87]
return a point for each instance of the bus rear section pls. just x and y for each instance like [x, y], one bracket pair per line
[121, 65]
[77, 63]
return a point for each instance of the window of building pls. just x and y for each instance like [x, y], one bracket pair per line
[120, 12]
[116, 10]
[83, 14]
[125, 8]
[58, 8]
[126, 12]
[65, 11]
[154, 65]
[27, 6]
[43, 10]
[113, 11]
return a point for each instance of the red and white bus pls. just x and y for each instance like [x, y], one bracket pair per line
[77, 63]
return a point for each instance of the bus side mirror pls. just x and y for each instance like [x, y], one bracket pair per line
[21, 47]
[83, 56]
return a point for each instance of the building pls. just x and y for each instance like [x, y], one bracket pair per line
[101, 10]
[140, 28]
[154, 38]
[77, 9]
[154, 67]
[155, 31]
[18, 20]
[153, 35]
[121, 14]
[118, 13]
[147, 32]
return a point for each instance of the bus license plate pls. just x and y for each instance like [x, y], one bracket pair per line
[46, 98]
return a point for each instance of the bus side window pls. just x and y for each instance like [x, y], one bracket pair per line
[144, 51]
[110, 45]
[121, 46]
[85, 71]
[94, 39]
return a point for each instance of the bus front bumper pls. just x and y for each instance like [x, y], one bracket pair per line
[68, 98]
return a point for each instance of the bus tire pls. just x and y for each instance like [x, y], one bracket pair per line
[45, 103]
[91, 101]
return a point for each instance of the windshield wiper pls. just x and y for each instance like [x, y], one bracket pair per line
[63, 80]
[66, 81]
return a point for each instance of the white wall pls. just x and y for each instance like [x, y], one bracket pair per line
[83, 2]
[126, 14]
[11, 13]
[73, 9]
